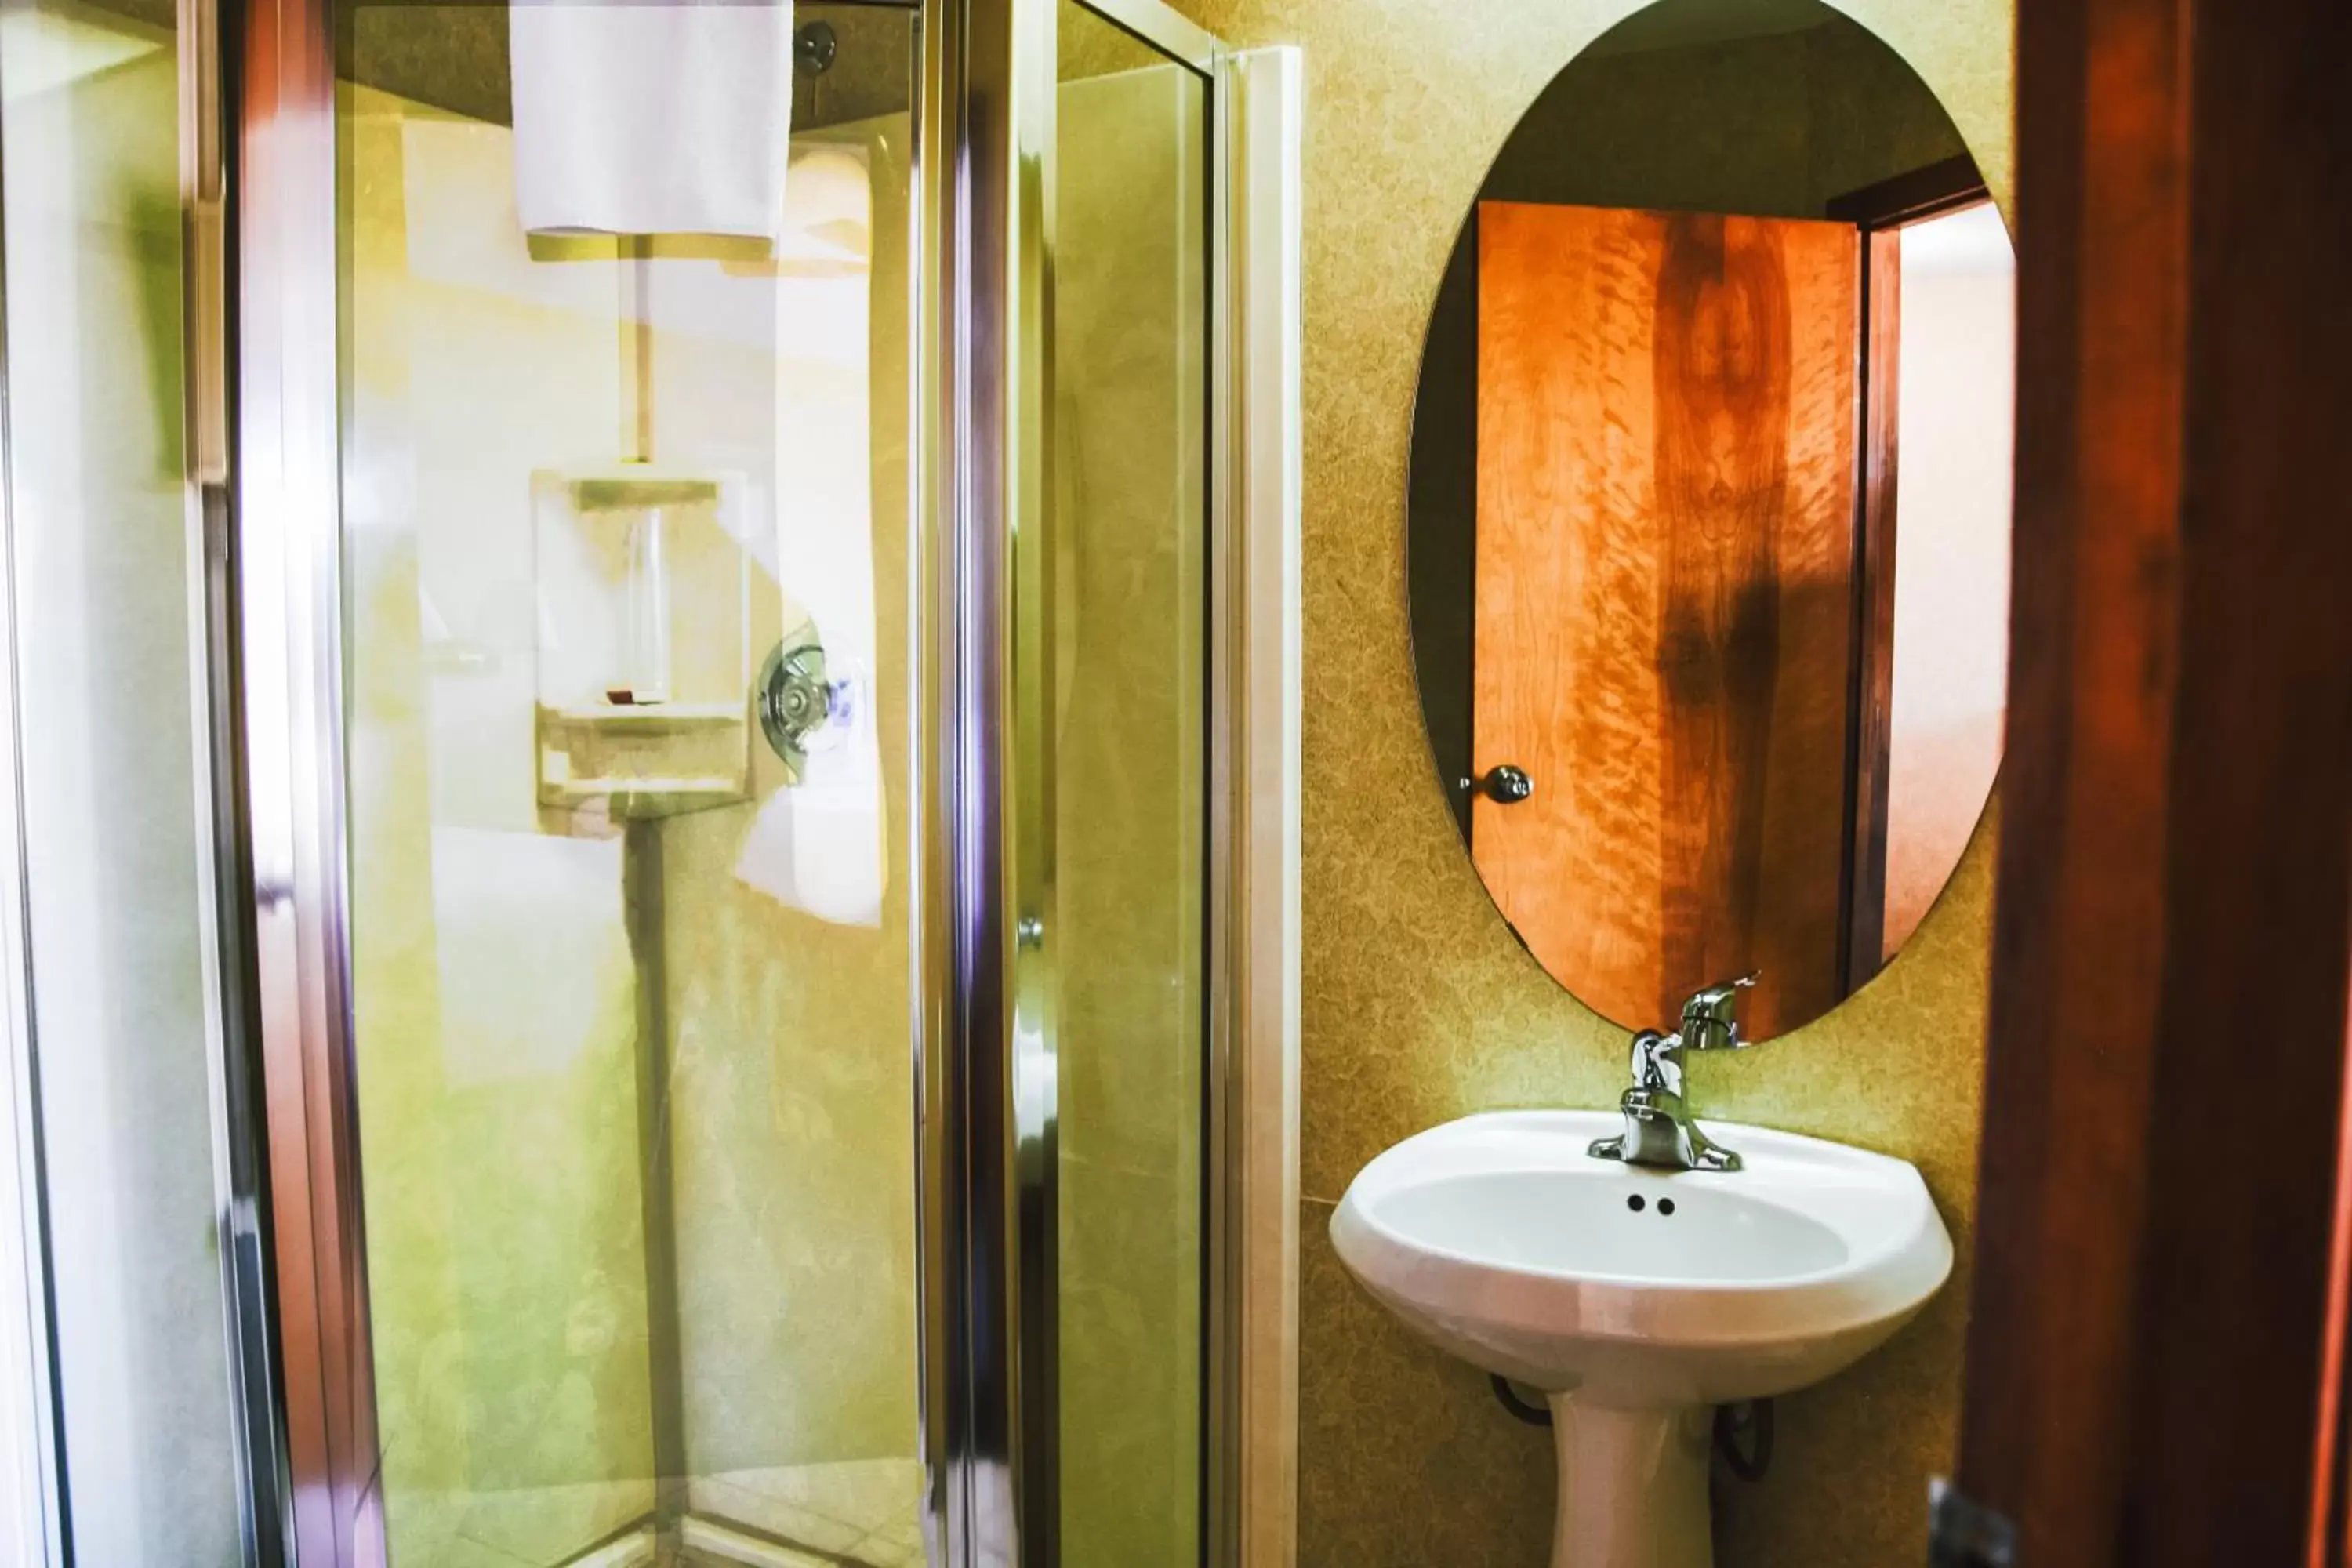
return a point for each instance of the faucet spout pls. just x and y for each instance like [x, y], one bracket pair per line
[1711, 1017]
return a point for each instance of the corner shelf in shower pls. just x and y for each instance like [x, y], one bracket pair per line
[647, 759]
[649, 718]
[642, 584]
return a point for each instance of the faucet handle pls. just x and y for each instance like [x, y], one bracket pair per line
[1711, 1017]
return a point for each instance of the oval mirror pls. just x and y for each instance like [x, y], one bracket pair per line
[1709, 519]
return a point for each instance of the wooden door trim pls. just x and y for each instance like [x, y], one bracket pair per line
[2331, 1500]
[2165, 1074]
[1870, 705]
[1915, 195]
[1880, 211]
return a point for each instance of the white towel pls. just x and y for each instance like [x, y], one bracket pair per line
[652, 119]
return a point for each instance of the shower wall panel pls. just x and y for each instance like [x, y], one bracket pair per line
[1129, 655]
[568, 1259]
[793, 1077]
[493, 990]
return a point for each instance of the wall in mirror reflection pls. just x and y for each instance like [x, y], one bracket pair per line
[1951, 563]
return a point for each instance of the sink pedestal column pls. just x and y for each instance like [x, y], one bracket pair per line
[1632, 1486]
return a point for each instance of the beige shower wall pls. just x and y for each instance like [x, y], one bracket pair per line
[496, 992]
[1126, 926]
[1419, 1004]
[505, 1266]
[793, 1062]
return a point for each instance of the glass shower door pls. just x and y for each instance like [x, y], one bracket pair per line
[625, 549]
[1121, 652]
[126, 1184]
[737, 842]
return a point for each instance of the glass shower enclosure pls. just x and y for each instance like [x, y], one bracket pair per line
[631, 946]
[746, 747]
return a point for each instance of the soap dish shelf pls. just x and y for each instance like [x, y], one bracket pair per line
[645, 760]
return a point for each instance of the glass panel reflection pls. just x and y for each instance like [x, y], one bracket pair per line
[631, 988]
[1129, 616]
[115, 890]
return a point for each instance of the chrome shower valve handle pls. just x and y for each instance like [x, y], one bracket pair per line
[804, 708]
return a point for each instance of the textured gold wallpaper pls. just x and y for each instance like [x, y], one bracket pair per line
[1419, 1007]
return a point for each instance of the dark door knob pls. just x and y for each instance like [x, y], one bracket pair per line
[1507, 786]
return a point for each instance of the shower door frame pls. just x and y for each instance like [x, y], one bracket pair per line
[984, 1185]
[990, 1238]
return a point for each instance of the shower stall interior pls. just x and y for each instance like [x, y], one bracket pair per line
[687, 955]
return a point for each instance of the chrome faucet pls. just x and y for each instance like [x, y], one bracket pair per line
[1658, 1126]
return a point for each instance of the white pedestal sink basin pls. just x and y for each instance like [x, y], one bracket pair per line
[1636, 1299]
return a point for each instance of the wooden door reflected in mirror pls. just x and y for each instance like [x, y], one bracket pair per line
[1664, 593]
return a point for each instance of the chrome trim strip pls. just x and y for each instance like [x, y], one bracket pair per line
[986, 1367]
[1260, 1237]
[1025, 532]
[968, 1369]
[39, 1488]
[239, 1139]
[936, 374]
[289, 570]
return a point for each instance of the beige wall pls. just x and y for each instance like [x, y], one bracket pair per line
[496, 994]
[792, 1071]
[495, 999]
[1419, 1006]
[1125, 924]
[1951, 574]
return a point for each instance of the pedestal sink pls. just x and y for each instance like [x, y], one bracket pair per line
[1637, 1299]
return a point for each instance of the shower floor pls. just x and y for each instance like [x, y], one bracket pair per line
[863, 1513]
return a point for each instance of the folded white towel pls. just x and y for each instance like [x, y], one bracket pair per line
[652, 118]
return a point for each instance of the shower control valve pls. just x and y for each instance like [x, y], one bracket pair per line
[802, 708]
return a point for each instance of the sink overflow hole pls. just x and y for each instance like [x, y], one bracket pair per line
[1635, 1202]
[1665, 1206]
